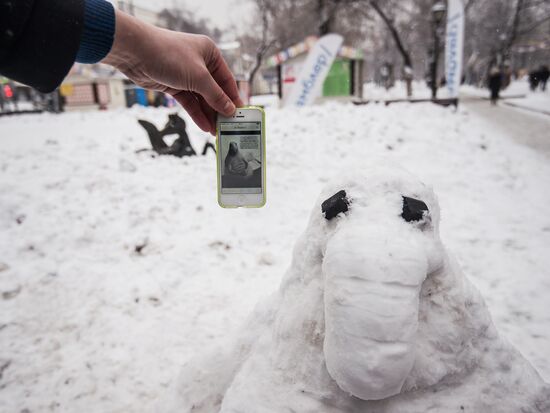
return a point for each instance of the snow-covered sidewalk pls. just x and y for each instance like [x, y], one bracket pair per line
[517, 95]
[116, 267]
[524, 126]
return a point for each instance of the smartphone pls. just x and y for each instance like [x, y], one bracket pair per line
[240, 156]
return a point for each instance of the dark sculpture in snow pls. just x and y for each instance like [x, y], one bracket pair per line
[175, 126]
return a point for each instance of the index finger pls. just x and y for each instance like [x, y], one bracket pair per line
[224, 78]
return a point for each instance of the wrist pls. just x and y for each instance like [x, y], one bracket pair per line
[131, 37]
[97, 35]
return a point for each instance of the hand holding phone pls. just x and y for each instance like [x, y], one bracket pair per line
[240, 152]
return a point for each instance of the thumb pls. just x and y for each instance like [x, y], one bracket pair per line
[216, 97]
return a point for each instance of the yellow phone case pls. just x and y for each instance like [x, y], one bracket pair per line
[264, 164]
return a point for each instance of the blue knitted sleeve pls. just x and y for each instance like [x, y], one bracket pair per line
[98, 33]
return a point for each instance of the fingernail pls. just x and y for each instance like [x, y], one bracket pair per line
[229, 107]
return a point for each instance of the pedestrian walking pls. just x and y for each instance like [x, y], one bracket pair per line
[534, 80]
[544, 74]
[495, 84]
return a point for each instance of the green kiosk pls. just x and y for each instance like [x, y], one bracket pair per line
[345, 78]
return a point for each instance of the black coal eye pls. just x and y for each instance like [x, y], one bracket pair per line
[413, 209]
[335, 204]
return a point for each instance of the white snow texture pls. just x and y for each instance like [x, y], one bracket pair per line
[373, 315]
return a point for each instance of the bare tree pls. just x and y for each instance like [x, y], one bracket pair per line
[527, 16]
[390, 24]
[512, 37]
[266, 41]
[327, 10]
[179, 19]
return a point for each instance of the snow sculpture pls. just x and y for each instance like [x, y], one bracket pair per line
[372, 316]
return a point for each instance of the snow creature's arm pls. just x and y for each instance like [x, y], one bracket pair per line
[371, 310]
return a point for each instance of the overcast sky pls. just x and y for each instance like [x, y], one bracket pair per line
[222, 13]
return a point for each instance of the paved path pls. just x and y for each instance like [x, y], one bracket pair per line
[529, 128]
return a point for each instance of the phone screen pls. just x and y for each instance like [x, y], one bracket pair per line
[241, 157]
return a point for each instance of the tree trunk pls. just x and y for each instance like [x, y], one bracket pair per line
[324, 26]
[262, 49]
[514, 32]
[395, 34]
[407, 61]
[259, 58]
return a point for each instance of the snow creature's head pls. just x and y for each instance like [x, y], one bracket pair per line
[378, 236]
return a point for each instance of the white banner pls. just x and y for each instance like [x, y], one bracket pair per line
[454, 46]
[314, 71]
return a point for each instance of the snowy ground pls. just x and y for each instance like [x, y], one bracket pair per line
[88, 324]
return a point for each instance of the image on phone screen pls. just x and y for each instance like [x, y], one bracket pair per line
[241, 157]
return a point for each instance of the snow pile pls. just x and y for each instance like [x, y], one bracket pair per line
[373, 91]
[373, 315]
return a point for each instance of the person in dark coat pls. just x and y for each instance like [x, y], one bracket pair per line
[40, 40]
[534, 80]
[495, 84]
[544, 74]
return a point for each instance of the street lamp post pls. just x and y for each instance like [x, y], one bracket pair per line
[438, 13]
[502, 50]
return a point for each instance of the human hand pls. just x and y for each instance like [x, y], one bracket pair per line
[187, 66]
